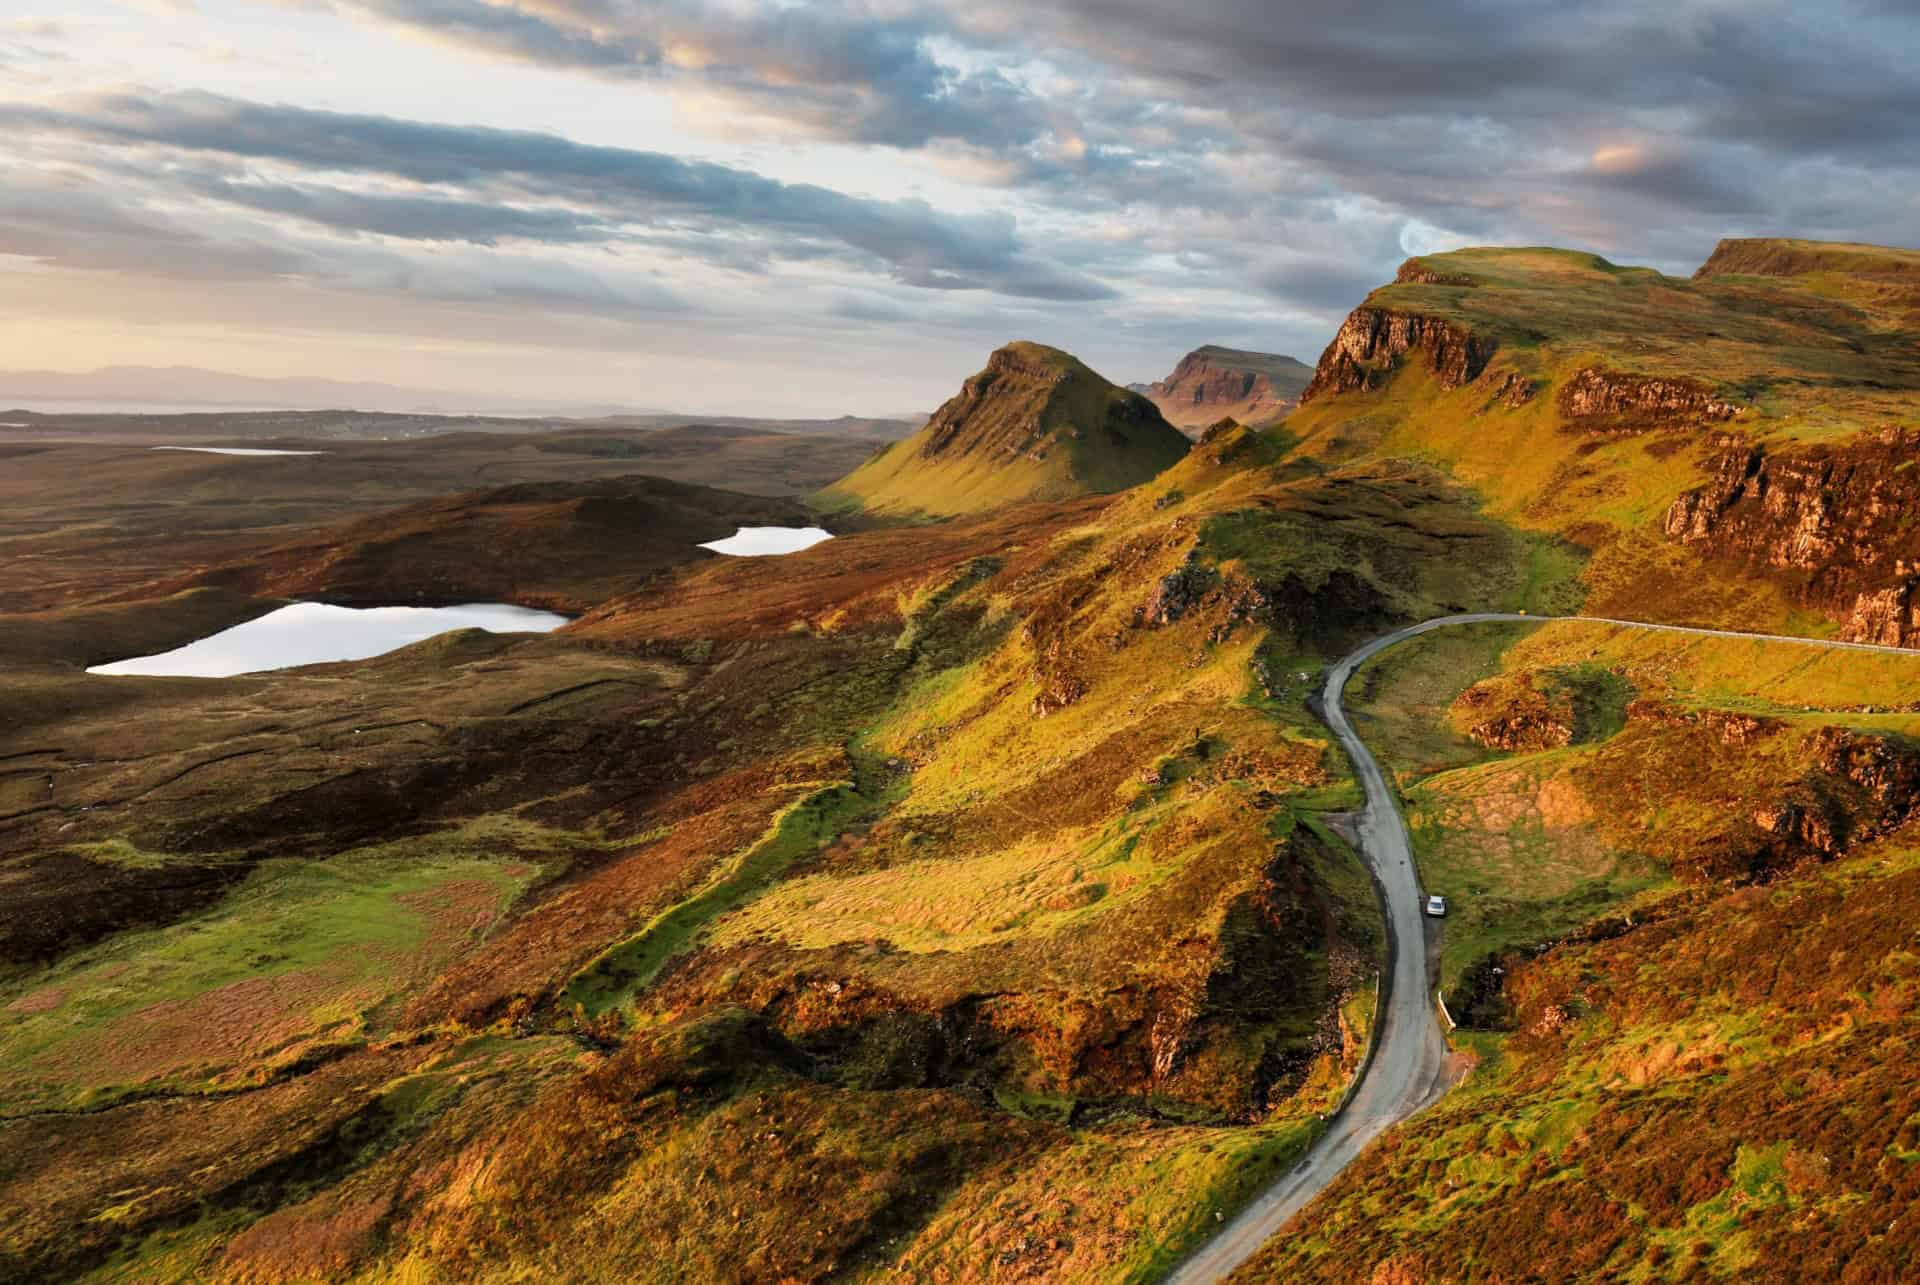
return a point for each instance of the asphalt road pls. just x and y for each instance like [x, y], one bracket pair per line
[1408, 1068]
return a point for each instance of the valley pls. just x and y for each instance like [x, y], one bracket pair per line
[1023, 882]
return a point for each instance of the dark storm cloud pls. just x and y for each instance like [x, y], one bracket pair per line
[921, 246]
[1512, 79]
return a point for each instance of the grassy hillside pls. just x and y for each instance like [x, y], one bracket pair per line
[1677, 865]
[83, 521]
[1679, 870]
[960, 900]
[562, 545]
[1035, 424]
[1618, 409]
[938, 886]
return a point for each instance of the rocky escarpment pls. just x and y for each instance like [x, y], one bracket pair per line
[1414, 272]
[1371, 341]
[1033, 424]
[1212, 383]
[1011, 374]
[1832, 523]
[1604, 399]
[1864, 786]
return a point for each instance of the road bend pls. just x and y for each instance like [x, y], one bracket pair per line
[1408, 1068]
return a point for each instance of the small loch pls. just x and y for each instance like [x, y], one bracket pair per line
[315, 633]
[759, 541]
[233, 450]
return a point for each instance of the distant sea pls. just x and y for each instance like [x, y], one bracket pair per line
[46, 407]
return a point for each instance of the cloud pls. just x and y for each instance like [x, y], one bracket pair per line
[1120, 176]
[843, 71]
[412, 218]
[1318, 285]
[1468, 114]
[918, 244]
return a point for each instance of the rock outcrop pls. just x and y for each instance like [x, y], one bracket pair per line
[1034, 424]
[1416, 273]
[1512, 714]
[1174, 596]
[1371, 341]
[1866, 785]
[1605, 399]
[1830, 522]
[1213, 383]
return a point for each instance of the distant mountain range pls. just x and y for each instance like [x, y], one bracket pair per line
[179, 390]
[167, 387]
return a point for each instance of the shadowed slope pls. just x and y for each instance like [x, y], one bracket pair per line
[564, 545]
[1035, 424]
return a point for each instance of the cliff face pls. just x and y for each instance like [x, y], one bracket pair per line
[1603, 399]
[1034, 423]
[1029, 401]
[1371, 340]
[1831, 521]
[1415, 273]
[999, 410]
[1213, 383]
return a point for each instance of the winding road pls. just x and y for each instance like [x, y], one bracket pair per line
[1407, 1070]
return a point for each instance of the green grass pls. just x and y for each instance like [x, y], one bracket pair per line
[1599, 698]
[1511, 890]
[1207, 1188]
[1065, 433]
[617, 975]
[1550, 577]
[314, 949]
[1399, 699]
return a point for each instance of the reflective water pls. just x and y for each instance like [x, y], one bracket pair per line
[312, 633]
[233, 450]
[753, 541]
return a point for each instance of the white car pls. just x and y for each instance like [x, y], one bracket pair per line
[1437, 906]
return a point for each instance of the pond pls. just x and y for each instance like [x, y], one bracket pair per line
[234, 450]
[755, 541]
[314, 633]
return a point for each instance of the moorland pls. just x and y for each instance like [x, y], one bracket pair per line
[971, 896]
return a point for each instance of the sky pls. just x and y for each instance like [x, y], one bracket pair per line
[842, 206]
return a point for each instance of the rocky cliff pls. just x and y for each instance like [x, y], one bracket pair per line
[1372, 340]
[1595, 398]
[1415, 272]
[1832, 522]
[1213, 383]
[1034, 423]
